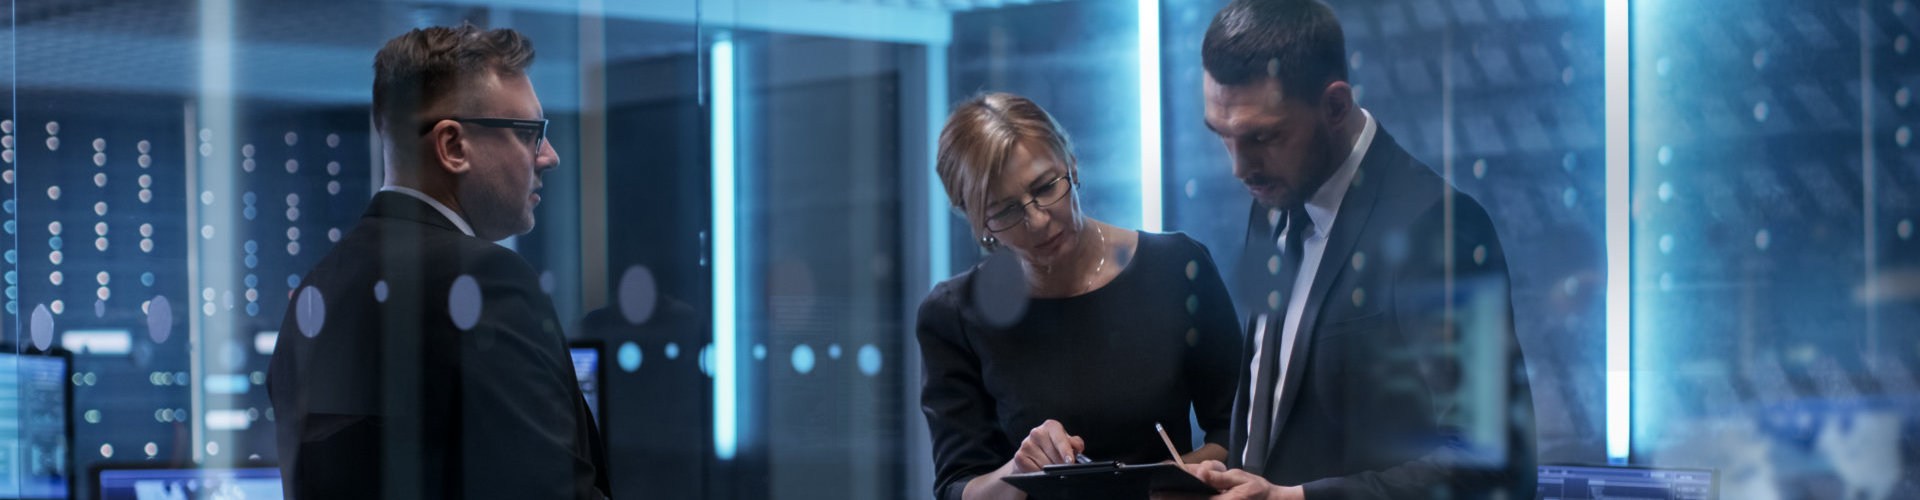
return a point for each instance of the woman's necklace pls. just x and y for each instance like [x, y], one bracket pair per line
[1098, 266]
[1094, 276]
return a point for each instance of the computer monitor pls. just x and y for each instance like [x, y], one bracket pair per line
[587, 372]
[35, 433]
[151, 482]
[1601, 482]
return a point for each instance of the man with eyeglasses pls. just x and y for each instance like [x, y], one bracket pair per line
[419, 359]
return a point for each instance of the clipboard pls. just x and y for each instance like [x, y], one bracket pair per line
[1107, 481]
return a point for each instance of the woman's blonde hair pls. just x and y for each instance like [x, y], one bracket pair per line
[979, 137]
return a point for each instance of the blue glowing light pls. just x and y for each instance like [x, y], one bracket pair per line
[725, 266]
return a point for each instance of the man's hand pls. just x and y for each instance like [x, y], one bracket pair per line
[1236, 484]
[1047, 444]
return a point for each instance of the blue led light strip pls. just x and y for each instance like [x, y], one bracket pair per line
[725, 262]
[1149, 50]
[1619, 232]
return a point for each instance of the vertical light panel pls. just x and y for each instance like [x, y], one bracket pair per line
[1150, 212]
[592, 163]
[212, 237]
[725, 260]
[1619, 232]
[939, 250]
[1869, 164]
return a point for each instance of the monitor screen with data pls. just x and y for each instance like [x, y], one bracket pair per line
[140, 483]
[34, 437]
[1592, 482]
[586, 370]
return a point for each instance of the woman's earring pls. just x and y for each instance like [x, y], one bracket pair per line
[989, 241]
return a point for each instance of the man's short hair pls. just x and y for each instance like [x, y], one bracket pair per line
[426, 66]
[1298, 42]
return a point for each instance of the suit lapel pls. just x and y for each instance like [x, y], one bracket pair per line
[1348, 224]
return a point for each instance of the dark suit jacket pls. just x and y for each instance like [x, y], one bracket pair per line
[1405, 380]
[387, 397]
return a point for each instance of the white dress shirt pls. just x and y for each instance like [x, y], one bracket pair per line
[1323, 208]
[455, 217]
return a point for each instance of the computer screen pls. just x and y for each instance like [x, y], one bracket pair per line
[586, 370]
[34, 437]
[1593, 482]
[253, 483]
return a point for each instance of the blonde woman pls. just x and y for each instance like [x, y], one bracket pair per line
[1122, 329]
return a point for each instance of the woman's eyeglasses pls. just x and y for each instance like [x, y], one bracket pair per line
[1044, 196]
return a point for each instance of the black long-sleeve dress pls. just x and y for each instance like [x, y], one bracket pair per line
[1108, 364]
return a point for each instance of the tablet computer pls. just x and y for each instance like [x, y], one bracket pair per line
[1107, 480]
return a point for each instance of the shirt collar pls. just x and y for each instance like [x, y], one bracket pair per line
[1325, 203]
[449, 213]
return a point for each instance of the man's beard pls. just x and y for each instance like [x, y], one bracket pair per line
[1319, 157]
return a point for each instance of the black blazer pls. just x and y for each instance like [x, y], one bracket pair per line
[1406, 380]
[377, 390]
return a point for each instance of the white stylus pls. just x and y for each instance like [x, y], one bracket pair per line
[1169, 441]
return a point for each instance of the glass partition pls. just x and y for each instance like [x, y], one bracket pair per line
[734, 255]
[1772, 193]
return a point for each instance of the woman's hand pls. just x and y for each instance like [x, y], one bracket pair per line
[1047, 444]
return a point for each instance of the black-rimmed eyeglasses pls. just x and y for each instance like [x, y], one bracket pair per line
[532, 133]
[1044, 196]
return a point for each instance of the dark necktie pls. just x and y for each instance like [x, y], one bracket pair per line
[1298, 226]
